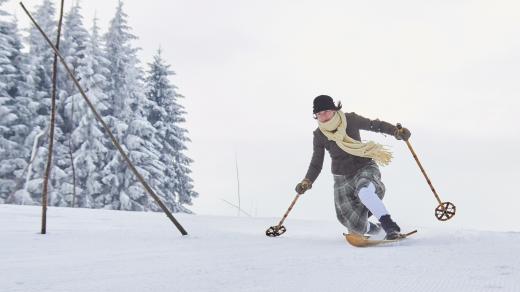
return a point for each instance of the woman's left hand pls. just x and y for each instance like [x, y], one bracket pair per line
[402, 134]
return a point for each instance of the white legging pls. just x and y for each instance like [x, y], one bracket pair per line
[373, 203]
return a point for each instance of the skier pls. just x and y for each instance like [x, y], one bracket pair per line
[358, 189]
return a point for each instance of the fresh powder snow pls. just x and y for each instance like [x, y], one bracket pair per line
[106, 250]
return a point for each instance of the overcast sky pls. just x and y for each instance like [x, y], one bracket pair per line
[447, 70]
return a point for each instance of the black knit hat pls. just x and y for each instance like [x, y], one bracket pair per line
[323, 103]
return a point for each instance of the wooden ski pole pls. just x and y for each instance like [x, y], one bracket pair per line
[114, 140]
[279, 229]
[445, 210]
[289, 210]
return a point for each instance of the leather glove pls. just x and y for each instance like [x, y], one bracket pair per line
[303, 186]
[402, 134]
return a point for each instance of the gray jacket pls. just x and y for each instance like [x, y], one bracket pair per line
[342, 162]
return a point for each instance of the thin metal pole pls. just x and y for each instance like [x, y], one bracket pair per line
[235, 206]
[238, 183]
[71, 155]
[114, 140]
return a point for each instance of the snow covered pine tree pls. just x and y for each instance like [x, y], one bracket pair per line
[166, 114]
[15, 117]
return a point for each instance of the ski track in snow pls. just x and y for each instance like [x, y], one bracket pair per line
[101, 250]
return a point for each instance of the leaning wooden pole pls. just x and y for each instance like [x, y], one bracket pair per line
[53, 120]
[114, 140]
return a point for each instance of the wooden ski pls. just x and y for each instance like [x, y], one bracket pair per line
[359, 240]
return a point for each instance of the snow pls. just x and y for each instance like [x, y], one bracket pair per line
[106, 250]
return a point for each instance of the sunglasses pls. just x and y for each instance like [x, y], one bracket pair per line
[316, 115]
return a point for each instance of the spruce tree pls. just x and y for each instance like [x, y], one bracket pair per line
[124, 115]
[166, 115]
[73, 48]
[89, 138]
[39, 84]
[15, 116]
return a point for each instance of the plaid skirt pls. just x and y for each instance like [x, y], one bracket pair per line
[349, 209]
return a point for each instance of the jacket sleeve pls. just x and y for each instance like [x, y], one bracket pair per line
[317, 159]
[376, 125]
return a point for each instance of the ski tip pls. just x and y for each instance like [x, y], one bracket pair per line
[411, 232]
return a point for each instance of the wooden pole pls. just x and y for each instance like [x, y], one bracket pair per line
[53, 120]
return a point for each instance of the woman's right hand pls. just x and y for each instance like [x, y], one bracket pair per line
[303, 186]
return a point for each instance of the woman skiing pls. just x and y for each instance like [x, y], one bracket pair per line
[358, 189]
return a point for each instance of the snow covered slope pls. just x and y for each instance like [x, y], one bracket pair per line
[99, 250]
